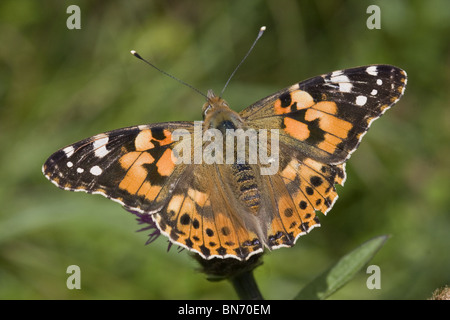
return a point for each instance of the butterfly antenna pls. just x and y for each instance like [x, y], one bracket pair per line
[261, 31]
[137, 55]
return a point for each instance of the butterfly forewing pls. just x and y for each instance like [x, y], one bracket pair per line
[325, 117]
[132, 166]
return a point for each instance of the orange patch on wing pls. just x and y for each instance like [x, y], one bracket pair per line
[143, 141]
[313, 164]
[289, 218]
[330, 143]
[223, 221]
[187, 207]
[175, 203]
[303, 99]
[165, 164]
[196, 234]
[127, 160]
[200, 198]
[329, 123]
[290, 172]
[232, 236]
[149, 191]
[167, 138]
[225, 232]
[326, 106]
[305, 207]
[296, 129]
[136, 173]
[278, 109]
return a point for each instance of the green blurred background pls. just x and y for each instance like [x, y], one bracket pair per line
[58, 86]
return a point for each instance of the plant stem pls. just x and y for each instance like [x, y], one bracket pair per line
[246, 287]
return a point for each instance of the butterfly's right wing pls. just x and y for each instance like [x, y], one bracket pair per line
[325, 117]
[321, 122]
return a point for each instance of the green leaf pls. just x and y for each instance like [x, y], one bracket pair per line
[342, 272]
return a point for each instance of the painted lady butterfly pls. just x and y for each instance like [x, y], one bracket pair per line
[232, 210]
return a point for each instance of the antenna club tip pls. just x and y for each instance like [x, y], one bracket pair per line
[263, 28]
[134, 53]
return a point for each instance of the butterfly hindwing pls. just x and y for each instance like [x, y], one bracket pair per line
[204, 216]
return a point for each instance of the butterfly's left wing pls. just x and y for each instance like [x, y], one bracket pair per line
[321, 122]
[132, 166]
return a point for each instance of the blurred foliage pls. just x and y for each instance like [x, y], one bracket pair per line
[58, 86]
[344, 271]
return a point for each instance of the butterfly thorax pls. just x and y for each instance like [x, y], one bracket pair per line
[218, 115]
[241, 176]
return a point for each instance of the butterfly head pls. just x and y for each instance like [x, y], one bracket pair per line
[218, 115]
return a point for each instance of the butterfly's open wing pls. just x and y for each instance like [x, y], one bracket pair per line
[132, 166]
[321, 122]
[326, 116]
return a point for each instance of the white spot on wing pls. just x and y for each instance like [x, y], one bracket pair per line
[361, 100]
[96, 171]
[374, 92]
[99, 145]
[69, 164]
[339, 78]
[343, 81]
[69, 151]
[80, 170]
[345, 87]
[379, 82]
[372, 70]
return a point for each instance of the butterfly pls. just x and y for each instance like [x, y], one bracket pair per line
[232, 210]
